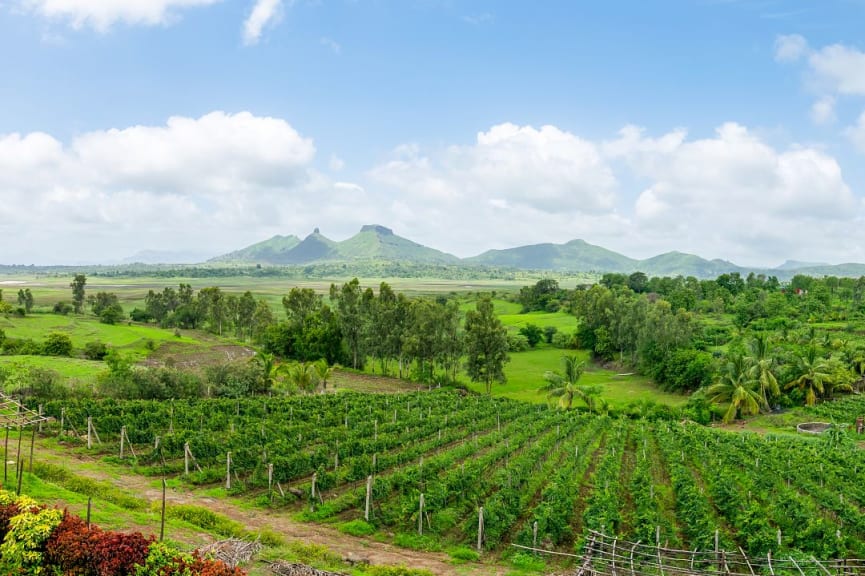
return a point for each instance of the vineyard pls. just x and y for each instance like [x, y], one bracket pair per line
[445, 466]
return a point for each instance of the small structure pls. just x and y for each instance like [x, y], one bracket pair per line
[14, 415]
[813, 427]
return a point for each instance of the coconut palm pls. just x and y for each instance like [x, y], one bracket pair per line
[323, 372]
[269, 369]
[304, 376]
[736, 386]
[814, 372]
[761, 368]
[565, 387]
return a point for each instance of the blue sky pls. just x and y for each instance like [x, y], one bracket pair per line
[731, 129]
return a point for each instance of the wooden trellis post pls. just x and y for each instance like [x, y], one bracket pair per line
[368, 498]
[420, 516]
[480, 528]
[122, 439]
[228, 471]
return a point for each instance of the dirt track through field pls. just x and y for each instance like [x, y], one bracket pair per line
[257, 519]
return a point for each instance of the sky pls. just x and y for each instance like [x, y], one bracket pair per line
[731, 129]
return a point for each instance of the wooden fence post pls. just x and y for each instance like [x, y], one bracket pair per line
[368, 498]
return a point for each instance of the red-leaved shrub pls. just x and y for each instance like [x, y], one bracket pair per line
[116, 554]
[70, 550]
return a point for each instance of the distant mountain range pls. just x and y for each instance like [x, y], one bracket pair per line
[380, 244]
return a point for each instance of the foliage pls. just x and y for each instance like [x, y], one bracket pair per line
[486, 345]
[58, 344]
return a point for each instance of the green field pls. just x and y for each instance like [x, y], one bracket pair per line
[525, 375]
[84, 329]
[72, 368]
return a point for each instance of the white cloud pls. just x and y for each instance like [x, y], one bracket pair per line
[101, 15]
[264, 13]
[336, 164]
[332, 44]
[823, 110]
[840, 69]
[790, 48]
[737, 196]
[730, 195]
[214, 180]
[856, 133]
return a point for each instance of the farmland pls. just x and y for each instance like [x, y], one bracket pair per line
[568, 472]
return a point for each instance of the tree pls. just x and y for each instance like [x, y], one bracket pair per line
[269, 369]
[107, 306]
[549, 333]
[818, 376]
[347, 300]
[565, 387]
[638, 282]
[77, 286]
[762, 368]
[25, 299]
[737, 387]
[486, 342]
[533, 334]
[303, 376]
[323, 372]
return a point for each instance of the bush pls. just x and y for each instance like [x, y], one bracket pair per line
[517, 343]
[63, 308]
[95, 350]
[533, 334]
[357, 528]
[464, 554]
[57, 344]
[565, 341]
[139, 315]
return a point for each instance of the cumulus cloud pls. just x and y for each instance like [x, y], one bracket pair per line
[513, 184]
[730, 195]
[823, 110]
[734, 194]
[264, 13]
[840, 69]
[101, 15]
[790, 48]
[218, 179]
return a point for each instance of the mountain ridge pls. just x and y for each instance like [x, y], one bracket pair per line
[374, 242]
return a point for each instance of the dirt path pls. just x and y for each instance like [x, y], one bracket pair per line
[255, 519]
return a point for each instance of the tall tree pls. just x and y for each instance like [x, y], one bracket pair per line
[25, 299]
[348, 301]
[78, 295]
[486, 345]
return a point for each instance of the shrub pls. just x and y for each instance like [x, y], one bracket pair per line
[95, 350]
[357, 528]
[517, 343]
[464, 554]
[63, 308]
[117, 553]
[58, 344]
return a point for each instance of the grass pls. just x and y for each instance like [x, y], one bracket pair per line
[560, 320]
[83, 329]
[74, 368]
[525, 374]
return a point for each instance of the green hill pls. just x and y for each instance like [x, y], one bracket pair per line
[574, 255]
[681, 264]
[375, 242]
[270, 251]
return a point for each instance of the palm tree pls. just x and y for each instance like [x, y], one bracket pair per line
[761, 368]
[323, 372]
[268, 368]
[565, 388]
[303, 376]
[814, 373]
[737, 387]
